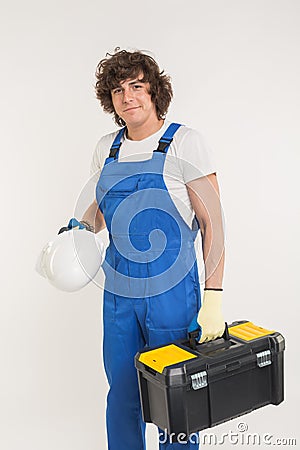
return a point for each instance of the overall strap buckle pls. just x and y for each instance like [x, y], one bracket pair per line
[115, 147]
[165, 141]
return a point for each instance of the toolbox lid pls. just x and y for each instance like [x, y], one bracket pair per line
[248, 331]
[162, 357]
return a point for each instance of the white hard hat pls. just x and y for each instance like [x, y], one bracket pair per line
[71, 260]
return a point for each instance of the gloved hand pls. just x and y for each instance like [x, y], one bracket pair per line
[76, 225]
[209, 320]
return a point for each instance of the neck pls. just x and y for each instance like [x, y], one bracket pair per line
[138, 132]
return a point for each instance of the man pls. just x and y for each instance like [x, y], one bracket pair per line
[157, 187]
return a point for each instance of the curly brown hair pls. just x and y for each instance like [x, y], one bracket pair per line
[120, 66]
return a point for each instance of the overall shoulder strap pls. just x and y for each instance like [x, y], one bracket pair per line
[115, 147]
[167, 138]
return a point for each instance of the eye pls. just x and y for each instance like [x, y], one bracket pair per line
[137, 86]
[116, 91]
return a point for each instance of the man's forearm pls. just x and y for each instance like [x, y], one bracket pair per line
[213, 255]
[94, 217]
[205, 199]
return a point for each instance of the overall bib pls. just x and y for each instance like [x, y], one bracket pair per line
[151, 285]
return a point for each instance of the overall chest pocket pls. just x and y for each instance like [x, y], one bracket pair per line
[121, 188]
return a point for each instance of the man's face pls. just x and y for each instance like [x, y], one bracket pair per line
[132, 102]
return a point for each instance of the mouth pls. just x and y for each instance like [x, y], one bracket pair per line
[131, 109]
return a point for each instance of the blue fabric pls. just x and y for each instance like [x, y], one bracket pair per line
[169, 133]
[151, 286]
[117, 142]
[75, 223]
[194, 326]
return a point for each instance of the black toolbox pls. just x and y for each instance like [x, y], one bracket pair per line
[185, 389]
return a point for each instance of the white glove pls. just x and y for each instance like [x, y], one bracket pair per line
[210, 316]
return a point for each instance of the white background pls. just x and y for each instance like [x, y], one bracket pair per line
[235, 69]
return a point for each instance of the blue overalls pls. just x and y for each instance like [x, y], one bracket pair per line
[151, 286]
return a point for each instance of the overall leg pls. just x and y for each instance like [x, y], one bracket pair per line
[167, 442]
[122, 340]
[168, 319]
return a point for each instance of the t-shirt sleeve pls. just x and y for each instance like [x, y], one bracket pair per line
[196, 157]
[98, 158]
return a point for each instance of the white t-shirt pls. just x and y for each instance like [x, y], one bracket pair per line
[188, 158]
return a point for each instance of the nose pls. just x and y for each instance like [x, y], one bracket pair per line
[127, 95]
